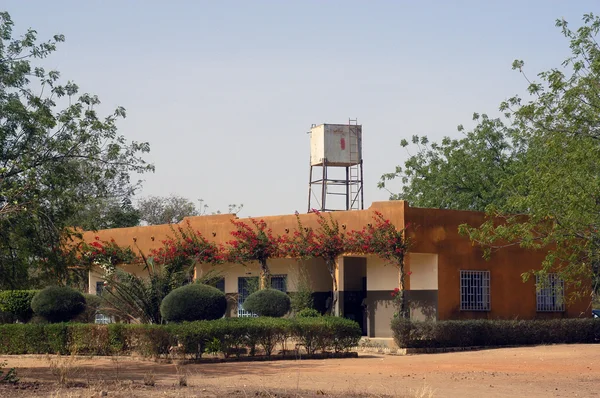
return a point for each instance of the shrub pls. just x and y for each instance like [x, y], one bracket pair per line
[440, 334]
[308, 313]
[229, 336]
[193, 302]
[268, 302]
[92, 305]
[58, 304]
[17, 303]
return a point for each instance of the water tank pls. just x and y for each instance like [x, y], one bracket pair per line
[339, 144]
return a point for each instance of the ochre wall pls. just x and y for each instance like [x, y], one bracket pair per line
[436, 231]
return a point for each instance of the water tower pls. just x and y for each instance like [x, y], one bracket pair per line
[336, 167]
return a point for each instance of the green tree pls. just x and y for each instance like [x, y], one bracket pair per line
[461, 174]
[59, 157]
[559, 187]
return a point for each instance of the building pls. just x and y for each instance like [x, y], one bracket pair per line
[449, 279]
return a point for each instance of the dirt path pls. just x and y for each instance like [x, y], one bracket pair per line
[546, 371]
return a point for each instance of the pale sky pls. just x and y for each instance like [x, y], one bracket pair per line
[225, 91]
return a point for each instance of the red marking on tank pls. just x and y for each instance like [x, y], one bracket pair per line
[343, 143]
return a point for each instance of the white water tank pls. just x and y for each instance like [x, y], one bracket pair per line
[339, 144]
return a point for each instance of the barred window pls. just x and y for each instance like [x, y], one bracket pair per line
[475, 290]
[550, 293]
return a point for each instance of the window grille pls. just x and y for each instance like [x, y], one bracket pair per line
[475, 290]
[279, 282]
[244, 290]
[550, 293]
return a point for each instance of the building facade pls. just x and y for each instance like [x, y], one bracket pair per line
[449, 279]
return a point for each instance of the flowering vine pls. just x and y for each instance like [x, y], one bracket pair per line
[185, 249]
[105, 254]
[383, 239]
[254, 242]
[327, 242]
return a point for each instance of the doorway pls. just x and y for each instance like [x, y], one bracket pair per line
[355, 291]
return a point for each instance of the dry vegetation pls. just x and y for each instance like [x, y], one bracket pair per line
[544, 371]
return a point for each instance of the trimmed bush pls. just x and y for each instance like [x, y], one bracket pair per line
[268, 302]
[229, 336]
[58, 304]
[473, 333]
[194, 302]
[308, 313]
[17, 303]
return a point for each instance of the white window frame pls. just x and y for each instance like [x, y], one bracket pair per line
[550, 293]
[475, 290]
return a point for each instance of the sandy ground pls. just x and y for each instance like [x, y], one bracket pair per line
[545, 371]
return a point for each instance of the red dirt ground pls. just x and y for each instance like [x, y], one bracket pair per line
[544, 371]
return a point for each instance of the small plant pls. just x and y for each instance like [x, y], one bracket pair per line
[181, 378]
[303, 297]
[63, 368]
[308, 313]
[268, 302]
[149, 379]
[7, 376]
[213, 347]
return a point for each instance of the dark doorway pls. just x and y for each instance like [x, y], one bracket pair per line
[355, 290]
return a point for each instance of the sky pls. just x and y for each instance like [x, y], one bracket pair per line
[225, 91]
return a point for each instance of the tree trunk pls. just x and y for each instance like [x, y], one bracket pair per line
[402, 313]
[264, 276]
[334, 300]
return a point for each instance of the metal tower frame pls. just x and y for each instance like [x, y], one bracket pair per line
[353, 183]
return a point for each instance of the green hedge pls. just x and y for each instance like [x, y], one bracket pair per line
[474, 333]
[17, 303]
[230, 336]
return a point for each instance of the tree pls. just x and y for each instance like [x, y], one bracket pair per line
[559, 185]
[155, 210]
[462, 174]
[59, 157]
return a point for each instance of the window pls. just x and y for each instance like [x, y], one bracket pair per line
[550, 296]
[475, 290]
[99, 288]
[279, 282]
[219, 284]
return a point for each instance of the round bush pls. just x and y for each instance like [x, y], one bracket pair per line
[268, 302]
[58, 304]
[194, 302]
[17, 303]
[308, 313]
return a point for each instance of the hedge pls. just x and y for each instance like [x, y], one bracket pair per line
[17, 303]
[475, 333]
[230, 336]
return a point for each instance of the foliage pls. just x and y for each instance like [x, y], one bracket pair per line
[17, 303]
[7, 376]
[268, 302]
[462, 174]
[472, 333]
[302, 298]
[106, 255]
[93, 303]
[308, 313]
[327, 242]
[186, 249]
[155, 210]
[59, 158]
[58, 303]
[558, 187]
[194, 302]
[227, 336]
[254, 242]
[383, 239]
